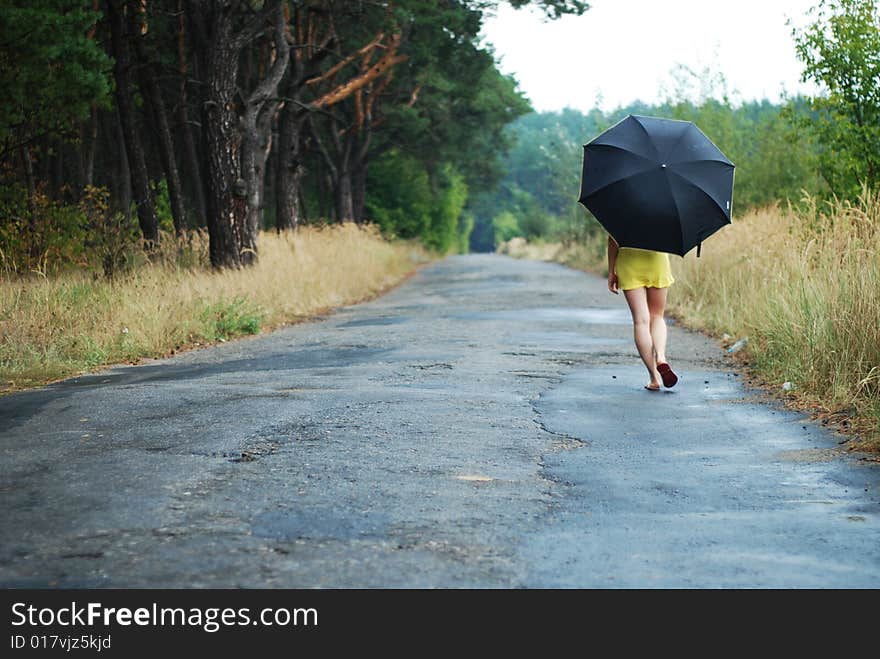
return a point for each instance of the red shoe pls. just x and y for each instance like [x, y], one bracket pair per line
[669, 377]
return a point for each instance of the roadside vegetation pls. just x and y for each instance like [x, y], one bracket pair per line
[65, 324]
[800, 284]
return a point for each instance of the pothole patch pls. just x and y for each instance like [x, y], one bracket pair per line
[809, 455]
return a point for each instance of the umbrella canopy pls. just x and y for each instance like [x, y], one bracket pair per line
[657, 184]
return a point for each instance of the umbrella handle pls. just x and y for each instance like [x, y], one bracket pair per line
[699, 247]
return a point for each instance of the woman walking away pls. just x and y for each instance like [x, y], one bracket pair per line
[644, 277]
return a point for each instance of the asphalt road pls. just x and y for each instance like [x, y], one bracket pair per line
[483, 425]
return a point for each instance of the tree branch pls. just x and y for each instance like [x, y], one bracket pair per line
[390, 59]
[332, 71]
[268, 87]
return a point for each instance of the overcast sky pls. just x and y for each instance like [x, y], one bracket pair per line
[623, 50]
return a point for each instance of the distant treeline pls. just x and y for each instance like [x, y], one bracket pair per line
[149, 118]
[538, 196]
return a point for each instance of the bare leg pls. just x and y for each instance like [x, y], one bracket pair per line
[637, 300]
[656, 307]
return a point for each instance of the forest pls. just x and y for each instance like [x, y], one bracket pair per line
[138, 122]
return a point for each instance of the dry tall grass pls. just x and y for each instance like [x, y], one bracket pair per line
[55, 327]
[804, 287]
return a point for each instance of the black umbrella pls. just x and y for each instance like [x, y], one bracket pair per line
[657, 184]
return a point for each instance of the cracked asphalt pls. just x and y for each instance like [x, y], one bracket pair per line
[482, 425]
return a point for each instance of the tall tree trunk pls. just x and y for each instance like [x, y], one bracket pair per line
[90, 130]
[290, 170]
[338, 166]
[44, 159]
[360, 157]
[344, 202]
[146, 210]
[110, 149]
[81, 159]
[305, 63]
[350, 141]
[123, 186]
[225, 190]
[325, 186]
[28, 165]
[223, 187]
[303, 206]
[86, 153]
[91, 146]
[358, 191]
[150, 89]
[56, 179]
[260, 107]
[193, 165]
[254, 152]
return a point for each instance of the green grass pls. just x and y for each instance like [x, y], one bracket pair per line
[224, 320]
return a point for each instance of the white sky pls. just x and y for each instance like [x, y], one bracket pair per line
[625, 50]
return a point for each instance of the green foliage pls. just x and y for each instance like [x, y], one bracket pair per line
[405, 202]
[92, 354]
[399, 196]
[227, 319]
[113, 236]
[51, 71]
[535, 224]
[444, 232]
[505, 227]
[40, 237]
[772, 161]
[542, 177]
[552, 8]
[841, 50]
[462, 103]
[52, 235]
[783, 164]
[162, 202]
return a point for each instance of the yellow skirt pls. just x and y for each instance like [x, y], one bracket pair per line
[637, 268]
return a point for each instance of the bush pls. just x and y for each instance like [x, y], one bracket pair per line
[113, 236]
[226, 319]
[39, 235]
[162, 201]
[505, 227]
[408, 203]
